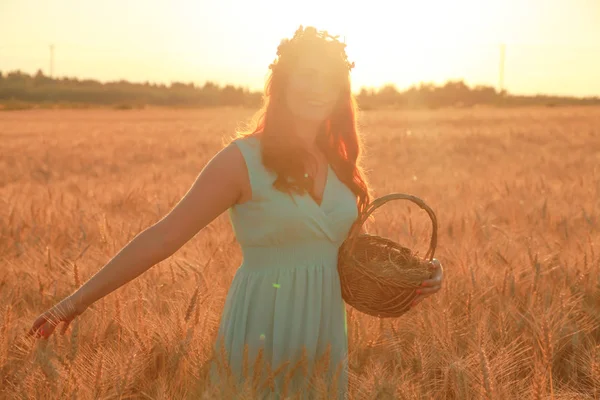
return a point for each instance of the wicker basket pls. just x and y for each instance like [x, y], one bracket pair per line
[378, 276]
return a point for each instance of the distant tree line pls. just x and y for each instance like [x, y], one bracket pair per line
[19, 87]
[457, 94]
[39, 89]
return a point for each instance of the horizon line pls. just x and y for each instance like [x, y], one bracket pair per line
[198, 84]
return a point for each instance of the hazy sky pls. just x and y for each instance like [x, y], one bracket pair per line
[552, 46]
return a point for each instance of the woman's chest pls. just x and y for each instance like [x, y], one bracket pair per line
[276, 212]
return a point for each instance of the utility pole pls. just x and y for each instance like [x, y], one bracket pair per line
[501, 69]
[51, 60]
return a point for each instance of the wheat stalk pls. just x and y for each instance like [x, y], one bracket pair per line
[42, 356]
[98, 377]
[469, 307]
[226, 367]
[122, 385]
[320, 369]
[4, 339]
[48, 258]
[595, 370]
[140, 304]
[290, 374]
[76, 275]
[245, 362]
[74, 341]
[486, 373]
[333, 392]
[173, 280]
[192, 305]
[40, 285]
[257, 369]
[270, 382]
[418, 351]
[538, 381]
[547, 351]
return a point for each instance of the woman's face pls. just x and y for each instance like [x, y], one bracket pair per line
[313, 88]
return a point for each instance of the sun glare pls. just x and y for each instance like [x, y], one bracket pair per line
[233, 41]
[401, 42]
[405, 42]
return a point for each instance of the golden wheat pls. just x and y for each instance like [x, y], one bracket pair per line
[515, 191]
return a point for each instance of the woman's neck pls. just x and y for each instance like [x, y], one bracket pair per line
[307, 131]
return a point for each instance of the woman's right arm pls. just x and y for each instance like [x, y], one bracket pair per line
[219, 185]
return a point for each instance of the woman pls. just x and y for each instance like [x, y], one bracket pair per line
[293, 188]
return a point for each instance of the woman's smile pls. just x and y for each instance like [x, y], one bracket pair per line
[317, 103]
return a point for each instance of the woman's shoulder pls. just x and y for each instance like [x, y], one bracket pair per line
[249, 145]
[250, 148]
[251, 140]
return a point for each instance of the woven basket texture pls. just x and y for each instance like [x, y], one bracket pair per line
[379, 276]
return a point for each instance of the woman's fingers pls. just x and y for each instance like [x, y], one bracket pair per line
[422, 293]
[417, 300]
[43, 326]
[436, 280]
[40, 331]
[65, 326]
[432, 285]
[46, 323]
[37, 324]
[432, 282]
[429, 290]
[48, 329]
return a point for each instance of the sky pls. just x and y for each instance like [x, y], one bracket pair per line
[551, 46]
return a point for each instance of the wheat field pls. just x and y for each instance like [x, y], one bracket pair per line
[516, 193]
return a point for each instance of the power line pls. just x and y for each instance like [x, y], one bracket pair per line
[501, 69]
[51, 60]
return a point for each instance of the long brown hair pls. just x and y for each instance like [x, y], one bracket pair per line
[338, 137]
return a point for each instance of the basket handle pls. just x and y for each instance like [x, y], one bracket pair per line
[375, 204]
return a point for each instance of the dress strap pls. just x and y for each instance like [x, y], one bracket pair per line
[250, 149]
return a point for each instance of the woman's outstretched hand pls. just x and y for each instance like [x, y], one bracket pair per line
[65, 311]
[432, 285]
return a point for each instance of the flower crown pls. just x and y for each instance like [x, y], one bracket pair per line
[311, 34]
